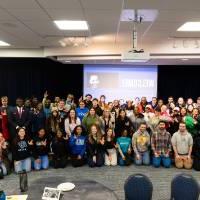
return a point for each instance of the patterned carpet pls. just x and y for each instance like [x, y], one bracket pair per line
[111, 177]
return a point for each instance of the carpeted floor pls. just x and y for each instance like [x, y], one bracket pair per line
[111, 177]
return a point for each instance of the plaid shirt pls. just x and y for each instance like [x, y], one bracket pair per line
[161, 142]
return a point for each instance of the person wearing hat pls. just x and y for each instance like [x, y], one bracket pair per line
[148, 114]
[182, 143]
[176, 119]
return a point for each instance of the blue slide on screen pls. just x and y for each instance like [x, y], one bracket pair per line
[120, 81]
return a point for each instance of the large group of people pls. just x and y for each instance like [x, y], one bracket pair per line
[35, 134]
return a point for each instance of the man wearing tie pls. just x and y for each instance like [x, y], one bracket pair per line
[19, 117]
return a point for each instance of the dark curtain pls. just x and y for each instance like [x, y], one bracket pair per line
[178, 81]
[26, 77]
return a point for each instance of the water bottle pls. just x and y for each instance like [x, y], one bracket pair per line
[2, 195]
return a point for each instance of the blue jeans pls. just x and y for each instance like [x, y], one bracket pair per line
[166, 161]
[23, 165]
[144, 158]
[43, 164]
[126, 162]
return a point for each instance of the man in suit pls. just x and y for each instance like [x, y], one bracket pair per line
[18, 117]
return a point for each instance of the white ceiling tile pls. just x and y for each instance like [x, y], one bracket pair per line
[4, 15]
[103, 21]
[66, 14]
[102, 4]
[43, 27]
[29, 14]
[163, 4]
[60, 4]
[21, 4]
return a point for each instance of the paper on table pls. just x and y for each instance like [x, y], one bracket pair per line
[17, 197]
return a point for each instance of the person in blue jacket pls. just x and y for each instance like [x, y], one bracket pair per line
[77, 143]
[81, 110]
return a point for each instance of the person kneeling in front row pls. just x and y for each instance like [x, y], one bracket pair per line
[95, 147]
[77, 143]
[161, 146]
[110, 150]
[182, 143]
[124, 149]
[140, 143]
[41, 149]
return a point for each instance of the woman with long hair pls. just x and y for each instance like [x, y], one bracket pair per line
[60, 149]
[110, 148]
[71, 122]
[102, 102]
[21, 151]
[53, 123]
[95, 147]
[41, 149]
[123, 122]
[77, 143]
[4, 150]
[107, 121]
[90, 118]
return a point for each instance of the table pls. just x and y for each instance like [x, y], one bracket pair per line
[84, 190]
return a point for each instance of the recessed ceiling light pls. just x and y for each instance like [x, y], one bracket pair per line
[190, 26]
[67, 61]
[184, 59]
[4, 44]
[71, 25]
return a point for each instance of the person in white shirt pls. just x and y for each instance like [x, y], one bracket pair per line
[71, 122]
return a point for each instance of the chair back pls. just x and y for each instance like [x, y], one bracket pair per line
[184, 187]
[138, 187]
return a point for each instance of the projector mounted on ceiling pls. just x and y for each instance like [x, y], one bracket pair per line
[135, 55]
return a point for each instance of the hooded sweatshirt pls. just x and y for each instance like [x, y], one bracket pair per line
[77, 145]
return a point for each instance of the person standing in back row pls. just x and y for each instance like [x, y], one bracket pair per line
[19, 117]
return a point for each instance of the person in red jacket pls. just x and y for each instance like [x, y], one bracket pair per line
[4, 110]
[4, 125]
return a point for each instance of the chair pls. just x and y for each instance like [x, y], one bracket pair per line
[138, 187]
[184, 187]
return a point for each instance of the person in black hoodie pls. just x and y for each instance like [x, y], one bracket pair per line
[21, 151]
[41, 149]
[95, 147]
[97, 108]
[38, 118]
[123, 122]
[60, 149]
